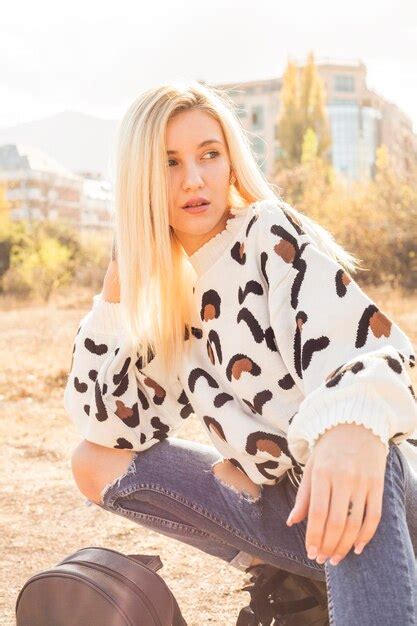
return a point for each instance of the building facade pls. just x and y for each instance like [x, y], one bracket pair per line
[39, 188]
[360, 119]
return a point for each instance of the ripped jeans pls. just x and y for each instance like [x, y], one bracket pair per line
[171, 488]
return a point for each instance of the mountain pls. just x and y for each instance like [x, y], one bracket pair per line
[80, 142]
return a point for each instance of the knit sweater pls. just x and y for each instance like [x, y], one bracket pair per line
[284, 345]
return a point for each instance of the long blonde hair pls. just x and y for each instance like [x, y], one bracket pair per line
[155, 273]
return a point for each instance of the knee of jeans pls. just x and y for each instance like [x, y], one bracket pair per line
[232, 477]
[115, 484]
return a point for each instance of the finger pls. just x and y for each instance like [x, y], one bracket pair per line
[318, 511]
[302, 500]
[353, 525]
[340, 496]
[373, 512]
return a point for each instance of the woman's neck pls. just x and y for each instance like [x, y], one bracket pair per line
[192, 243]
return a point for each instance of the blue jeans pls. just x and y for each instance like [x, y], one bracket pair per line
[170, 488]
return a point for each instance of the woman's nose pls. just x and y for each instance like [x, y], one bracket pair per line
[192, 178]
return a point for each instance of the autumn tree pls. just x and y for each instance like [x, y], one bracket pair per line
[394, 199]
[309, 183]
[302, 112]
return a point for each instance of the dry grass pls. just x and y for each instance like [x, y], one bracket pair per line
[42, 512]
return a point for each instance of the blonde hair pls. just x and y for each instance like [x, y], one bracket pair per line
[154, 270]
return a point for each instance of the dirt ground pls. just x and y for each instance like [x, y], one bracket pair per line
[43, 517]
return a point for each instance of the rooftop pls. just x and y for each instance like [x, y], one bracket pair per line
[25, 157]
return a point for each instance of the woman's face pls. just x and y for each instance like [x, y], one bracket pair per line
[197, 171]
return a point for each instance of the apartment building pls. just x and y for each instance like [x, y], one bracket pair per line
[38, 187]
[360, 119]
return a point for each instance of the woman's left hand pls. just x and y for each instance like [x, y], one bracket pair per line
[347, 464]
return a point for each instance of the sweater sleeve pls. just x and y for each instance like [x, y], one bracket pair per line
[108, 396]
[349, 360]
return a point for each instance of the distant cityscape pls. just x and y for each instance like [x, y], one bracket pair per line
[40, 186]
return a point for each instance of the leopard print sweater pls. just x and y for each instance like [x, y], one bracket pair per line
[283, 346]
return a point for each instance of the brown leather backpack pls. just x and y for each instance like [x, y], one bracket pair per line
[99, 587]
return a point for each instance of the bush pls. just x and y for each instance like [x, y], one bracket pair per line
[375, 220]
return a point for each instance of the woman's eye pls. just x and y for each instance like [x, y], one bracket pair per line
[215, 152]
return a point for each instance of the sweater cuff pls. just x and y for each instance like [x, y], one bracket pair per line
[106, 317]
[354, 405]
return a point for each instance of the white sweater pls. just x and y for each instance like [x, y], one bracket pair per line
[284, 345]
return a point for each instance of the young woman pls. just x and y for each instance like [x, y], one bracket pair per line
[227, 303]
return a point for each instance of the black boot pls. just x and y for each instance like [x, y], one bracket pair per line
[279, 597]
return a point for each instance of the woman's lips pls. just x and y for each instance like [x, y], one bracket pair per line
[197, 209]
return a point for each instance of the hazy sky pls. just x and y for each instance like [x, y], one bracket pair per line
[83, 56]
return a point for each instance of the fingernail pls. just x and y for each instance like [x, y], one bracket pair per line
[321, 558]
[312, 552]
[335, 559]
[359, 548]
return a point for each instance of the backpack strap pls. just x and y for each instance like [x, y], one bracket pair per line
[152, 561]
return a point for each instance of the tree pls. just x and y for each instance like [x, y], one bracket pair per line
[313, 110]
[11, 232]
[46, 266]
[408, 167]
[4, 203]
[302, 112]
[395, 200]
[289, 126]
[310, 183]
[310, 146]
[39, 257]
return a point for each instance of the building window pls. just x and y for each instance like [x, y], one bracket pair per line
[257, 117]
[344, 82]
[344, 120]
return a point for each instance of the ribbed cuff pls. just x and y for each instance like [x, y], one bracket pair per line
[358, 404]
[106, 317]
